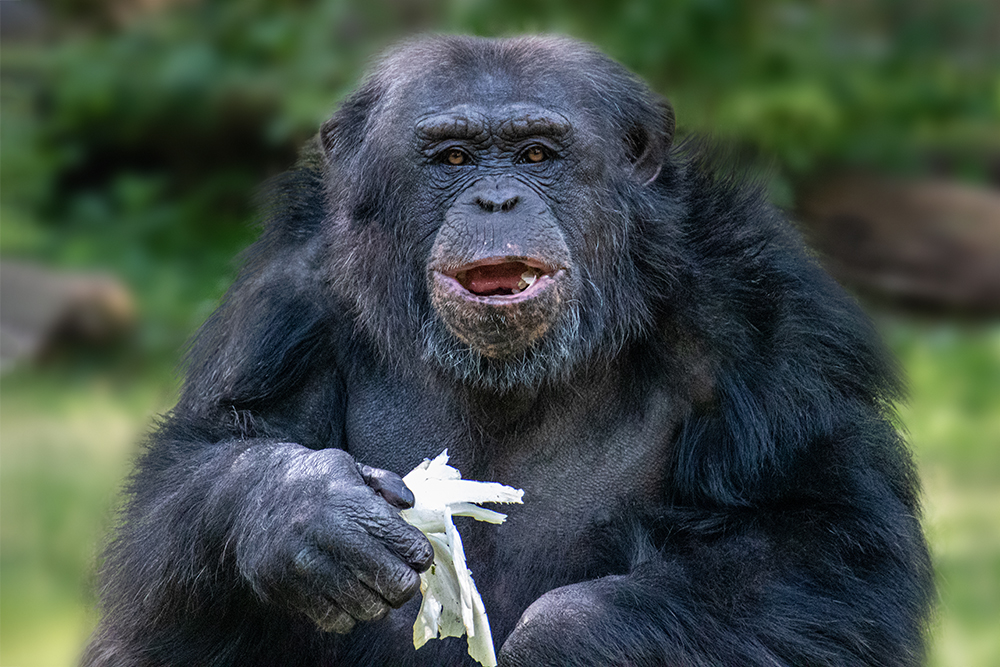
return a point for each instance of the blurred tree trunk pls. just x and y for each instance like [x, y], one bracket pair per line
[929, 243]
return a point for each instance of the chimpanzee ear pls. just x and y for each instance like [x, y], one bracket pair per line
[344, 129]
[328, 135]
[648, 146]
[347, 127]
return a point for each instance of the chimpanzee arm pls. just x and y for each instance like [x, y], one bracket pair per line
[245, 513]
[791, 583]
[286, 525]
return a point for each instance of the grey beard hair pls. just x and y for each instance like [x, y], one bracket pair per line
[552, 359]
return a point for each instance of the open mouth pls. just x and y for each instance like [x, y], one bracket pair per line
[500, 276]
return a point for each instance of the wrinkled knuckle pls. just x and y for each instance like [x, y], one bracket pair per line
[357, 512]
[306, 560]
[326, 614]
[398, 586]
[372, 611]
[337, 455]
[334, 463]
[333, 619]
[339, 460]
[408, 585]
[420, 554]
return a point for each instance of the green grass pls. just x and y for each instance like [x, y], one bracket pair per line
[65, 445]
[953, 419]
[67, 437]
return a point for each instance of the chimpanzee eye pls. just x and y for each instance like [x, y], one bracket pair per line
[535, 154]
[456, 156]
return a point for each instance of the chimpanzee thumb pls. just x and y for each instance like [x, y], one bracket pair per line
[389, 485]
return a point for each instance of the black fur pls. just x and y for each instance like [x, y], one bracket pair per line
[705, 438]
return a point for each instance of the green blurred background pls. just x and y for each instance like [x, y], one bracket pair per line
[134, 133]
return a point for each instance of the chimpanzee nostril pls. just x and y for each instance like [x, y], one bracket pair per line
[490, 206]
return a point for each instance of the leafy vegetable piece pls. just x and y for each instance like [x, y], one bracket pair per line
[452, 606]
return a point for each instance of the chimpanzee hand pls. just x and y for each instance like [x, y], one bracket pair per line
[582, 620]
[320, 534]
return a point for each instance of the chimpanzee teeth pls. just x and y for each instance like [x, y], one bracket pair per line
[528, 278]
[521, 284]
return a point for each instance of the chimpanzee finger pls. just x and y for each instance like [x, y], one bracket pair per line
[395, 586]
[323, 582]
[362, 603]
[402, 539]
[367, 555]
[389, 485]
[328, 617]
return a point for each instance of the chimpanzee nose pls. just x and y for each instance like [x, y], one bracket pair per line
[496, 195]
[497, 204]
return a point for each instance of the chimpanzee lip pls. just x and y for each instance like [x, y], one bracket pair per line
[457, 280]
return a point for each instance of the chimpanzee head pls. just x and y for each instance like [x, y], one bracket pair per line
[487, 197]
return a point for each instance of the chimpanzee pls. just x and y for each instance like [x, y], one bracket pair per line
[495, 247]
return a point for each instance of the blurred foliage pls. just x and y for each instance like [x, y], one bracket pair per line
[135, 135]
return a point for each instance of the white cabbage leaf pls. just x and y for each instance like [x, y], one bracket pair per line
[452, 606]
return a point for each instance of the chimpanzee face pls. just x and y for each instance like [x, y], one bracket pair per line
[507, 187]
[501, 273]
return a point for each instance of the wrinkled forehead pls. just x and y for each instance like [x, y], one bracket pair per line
[499, 80]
